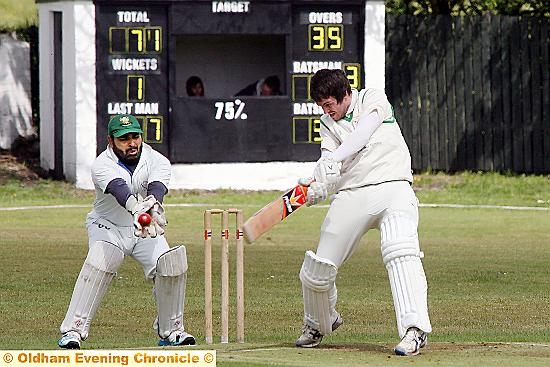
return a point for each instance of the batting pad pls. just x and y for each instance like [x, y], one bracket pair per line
[319, 292]
[169, 290]
[401, 255]
[99, 269]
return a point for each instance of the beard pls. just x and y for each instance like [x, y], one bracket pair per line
[125, 157]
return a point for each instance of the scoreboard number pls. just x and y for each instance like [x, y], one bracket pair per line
[142, 40]
[353, 72]
[135, 40]
[135, 89]
[306, 130]
[153, 39]
[152, 129]
[326, 37]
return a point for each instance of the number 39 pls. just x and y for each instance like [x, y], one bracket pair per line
[325, 37]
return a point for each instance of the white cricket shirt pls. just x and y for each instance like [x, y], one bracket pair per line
[152, 166]
[386, 156]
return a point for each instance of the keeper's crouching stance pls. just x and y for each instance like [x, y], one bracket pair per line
[366, 164]
[99, 269]
[130, 179]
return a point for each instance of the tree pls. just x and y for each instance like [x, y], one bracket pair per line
[539, 8]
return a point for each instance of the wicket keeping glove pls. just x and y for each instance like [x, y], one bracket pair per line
[136, 208]
[158, 219]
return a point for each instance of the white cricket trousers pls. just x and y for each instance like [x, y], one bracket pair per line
[145, 251]
[353, 212]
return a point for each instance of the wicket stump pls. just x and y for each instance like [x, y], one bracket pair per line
[224, 273]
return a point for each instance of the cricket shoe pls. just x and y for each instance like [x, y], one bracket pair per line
[311, 337]
[70, 340]
[411, 343]
[178, 337]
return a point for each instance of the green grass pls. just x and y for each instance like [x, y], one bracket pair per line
[484, 188]
[487, 269]
[464, 188]
[18, 14]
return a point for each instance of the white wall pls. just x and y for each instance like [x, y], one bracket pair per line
[45, 51]
[15, 91]
[79, 93]
[240, 176]
[375, 49]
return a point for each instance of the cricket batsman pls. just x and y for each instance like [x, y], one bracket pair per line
[130, 179]
[365, 165]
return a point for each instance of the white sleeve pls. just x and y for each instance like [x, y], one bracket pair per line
[327, 140]
[359, 138]
[103, 173]
[161, 169]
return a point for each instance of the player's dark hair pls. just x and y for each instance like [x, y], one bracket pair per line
[326, 83]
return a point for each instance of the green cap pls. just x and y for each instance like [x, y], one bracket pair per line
[123, 124]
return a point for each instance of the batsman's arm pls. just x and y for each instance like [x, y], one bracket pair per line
[360, 137]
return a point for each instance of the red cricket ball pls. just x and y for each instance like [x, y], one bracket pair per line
[144, 219]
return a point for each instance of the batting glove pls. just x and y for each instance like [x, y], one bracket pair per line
[327, 171]
[305, 181]
[316, 193]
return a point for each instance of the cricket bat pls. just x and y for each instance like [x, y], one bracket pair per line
[274, 212]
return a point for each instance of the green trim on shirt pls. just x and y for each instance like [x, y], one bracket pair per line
[391, 120]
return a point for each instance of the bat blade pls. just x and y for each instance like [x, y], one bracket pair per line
[274, 212]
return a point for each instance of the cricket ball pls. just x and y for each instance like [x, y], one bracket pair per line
[144, 219]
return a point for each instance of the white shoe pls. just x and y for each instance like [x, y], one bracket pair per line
[311, 337]
[411, 343]
[70, 340]
[178, 337]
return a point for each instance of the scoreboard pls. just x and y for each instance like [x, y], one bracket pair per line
[146, 50]
[323, 37]
[132, 69]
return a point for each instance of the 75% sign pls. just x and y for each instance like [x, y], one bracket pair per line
[230, 110]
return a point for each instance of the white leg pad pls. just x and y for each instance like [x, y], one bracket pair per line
[170, 279]
[98, 270]
[402, 256]
[319, 291]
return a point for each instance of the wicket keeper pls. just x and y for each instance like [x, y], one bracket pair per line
[130, 179]
[365, 163]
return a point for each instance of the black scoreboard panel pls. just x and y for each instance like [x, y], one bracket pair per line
[145, 53]
[323, 36]
[223, 135]
[132, 69]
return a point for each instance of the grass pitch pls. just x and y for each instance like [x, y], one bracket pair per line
[487, 269]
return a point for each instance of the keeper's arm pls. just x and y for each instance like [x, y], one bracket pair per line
[120, 190]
